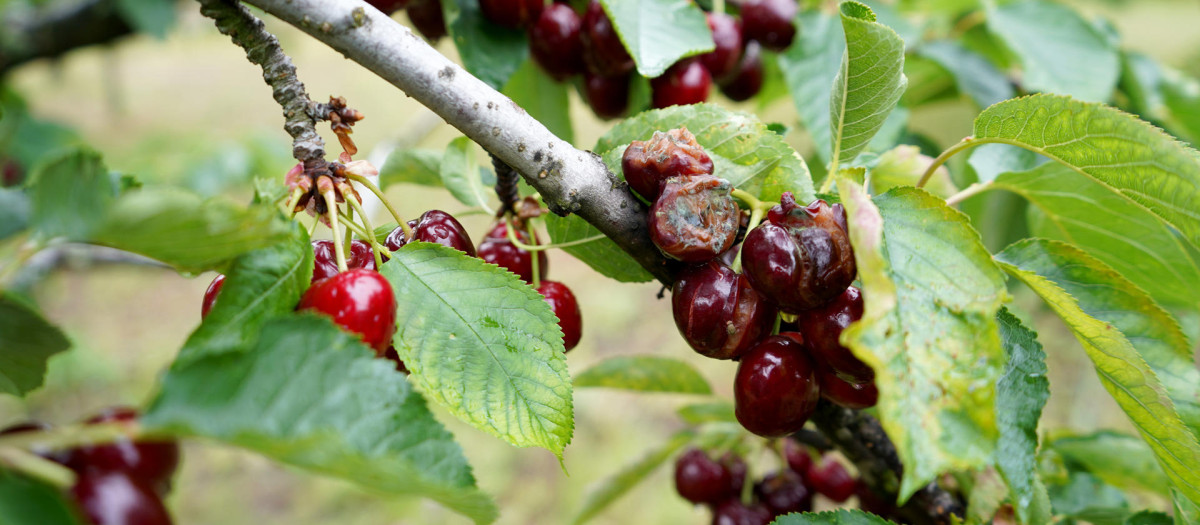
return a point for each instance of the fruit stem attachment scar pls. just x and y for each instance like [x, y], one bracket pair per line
[370, 237]
[338, 251]
[379, 193]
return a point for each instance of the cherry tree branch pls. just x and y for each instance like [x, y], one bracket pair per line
[30, 34]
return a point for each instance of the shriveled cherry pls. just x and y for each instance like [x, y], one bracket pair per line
[648, 164]
[727, 35]
[603, 52]
[695, 218]
[116, 498]
[607, 96]
[498, 250]
[733, 512]
[210, 295]
[849, 394]
[427, 17]
[717, 311]
[388, 6]
[800, 257]
[151, 462]
[685, 82]
[783, 492]
[797, 456]
[746, 80]
[830, 478]
[325, 260]
[775, 389]
[360, 301]
[555, 41]
[823, 325]
[511, 13]
[434, 226]
[701, 479]
[564, 305]
[770, 22]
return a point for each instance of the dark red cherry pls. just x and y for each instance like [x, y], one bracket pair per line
[733, 512]
[775, 390]
[360, 301]
[727, 35]
[555, 41]
[797, 456]
[783, 492]
[695, 218]
[391, 355]
[770, 22]
[603, 52]
[686, 82]
[871, 502]
[701, 479]
[210, 295]
[151, 462]
[823, 325]
[837, 389]
[388, 6]
[564, 305]
[607, 96]
[717, 311]
[11, 173]
[325, 260]
[498, 250]
[800, 257]
[426, 16]
[511, 13]
[648, 164]
[747, 78]
[434, 226]
[830, 478]
[115, 498]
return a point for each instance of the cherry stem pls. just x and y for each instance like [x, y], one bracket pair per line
[349, 237]
[370, 237]
[751, 201]
[37, 467]
[331, 207]
[512, 237]
[533, 261]
[357, 229]
[827, 184]
[964, 144]
[718, 6]
[778, 324]
[292, 202]
[970, 191]
[313, 230]
[71, 436]
[379, 193]
[755, 218]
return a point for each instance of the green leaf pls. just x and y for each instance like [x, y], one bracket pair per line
[869, 84]
[14, 212]
[929, 330]
[985, 493]
[658, 33]
[1181, 95]
[809, 68]
[489, 51]
[623, 481]
[261, 285]
[1187, 512]
[155, 17]
[26, 342]
[482, 343]
[1085, 497]
[1149, 517]
[973, 74]
[1120, 460]
[1021, 394]
[70, 195]
[1096, 304]
[187, 232]
[310, 395]
[831, 517]
[543, 98]
[601, 253]
[1134, 158]
[717, 411]
[412, 166]
[1110, 226]
[461, 174]
[644, 373]
[744, 152]
[1060, 51]
[27, 502]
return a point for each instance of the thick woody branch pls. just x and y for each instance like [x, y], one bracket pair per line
[46, 33]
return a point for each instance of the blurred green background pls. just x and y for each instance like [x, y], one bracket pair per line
[190, 110]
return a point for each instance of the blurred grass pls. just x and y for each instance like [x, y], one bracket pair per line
[190, 110]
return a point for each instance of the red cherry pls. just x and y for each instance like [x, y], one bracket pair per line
[210, 295]
[701, 479]
[434, 226]
[388, 6]
[498, 250]
[822, 326]
[830, 478]
[775, 390]
[727, 35]
[717, 311]
[360, 301]
[797, 456]
[871, 502]
[603, 52]
[770, 22]
[115, 498]
[648, 164]
[849, 394]
[686, 82]
[325, 260]
[608, 96]
[746, 80]
[11, 173]
[426, 16]
[150, 462]
[511, 13]
[734, 512]
[555, 41]
[783, 492]
[564, 305]
[695, 218]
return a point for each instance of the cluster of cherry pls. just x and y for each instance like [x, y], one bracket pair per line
[117, 483]
[565, 43]
[362, 302]
[798, 262]
[719, 483]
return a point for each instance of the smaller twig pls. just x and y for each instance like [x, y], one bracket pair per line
[970, 191]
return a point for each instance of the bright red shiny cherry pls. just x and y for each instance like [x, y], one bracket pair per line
[434, 226]
[388, 6]
[823, 325]
[701, 479]
[210, 295]
[427, 17]
[555, 42]
[116, 498]
[498, 250]
[733, 512]
[151, 462]
[603, 52]
[727, 35]
[511, 13]
[770, 22]
[746, 80]
[800, 257]
[797, 456]
[849, 394]
[717, 311]
[564, 305]
[783, 492]
[686, 82]
[360, 301]
[775, 390]
[607, 96]
[647, 164]
[325, 260]
[830, 478]
[694, 219]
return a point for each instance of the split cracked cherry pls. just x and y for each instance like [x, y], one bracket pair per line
[695, 218]
[775, 389]
[562, 302]
[717, 311]
[434, 226]
[360, 301]
[498, 250]
[646, 165]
